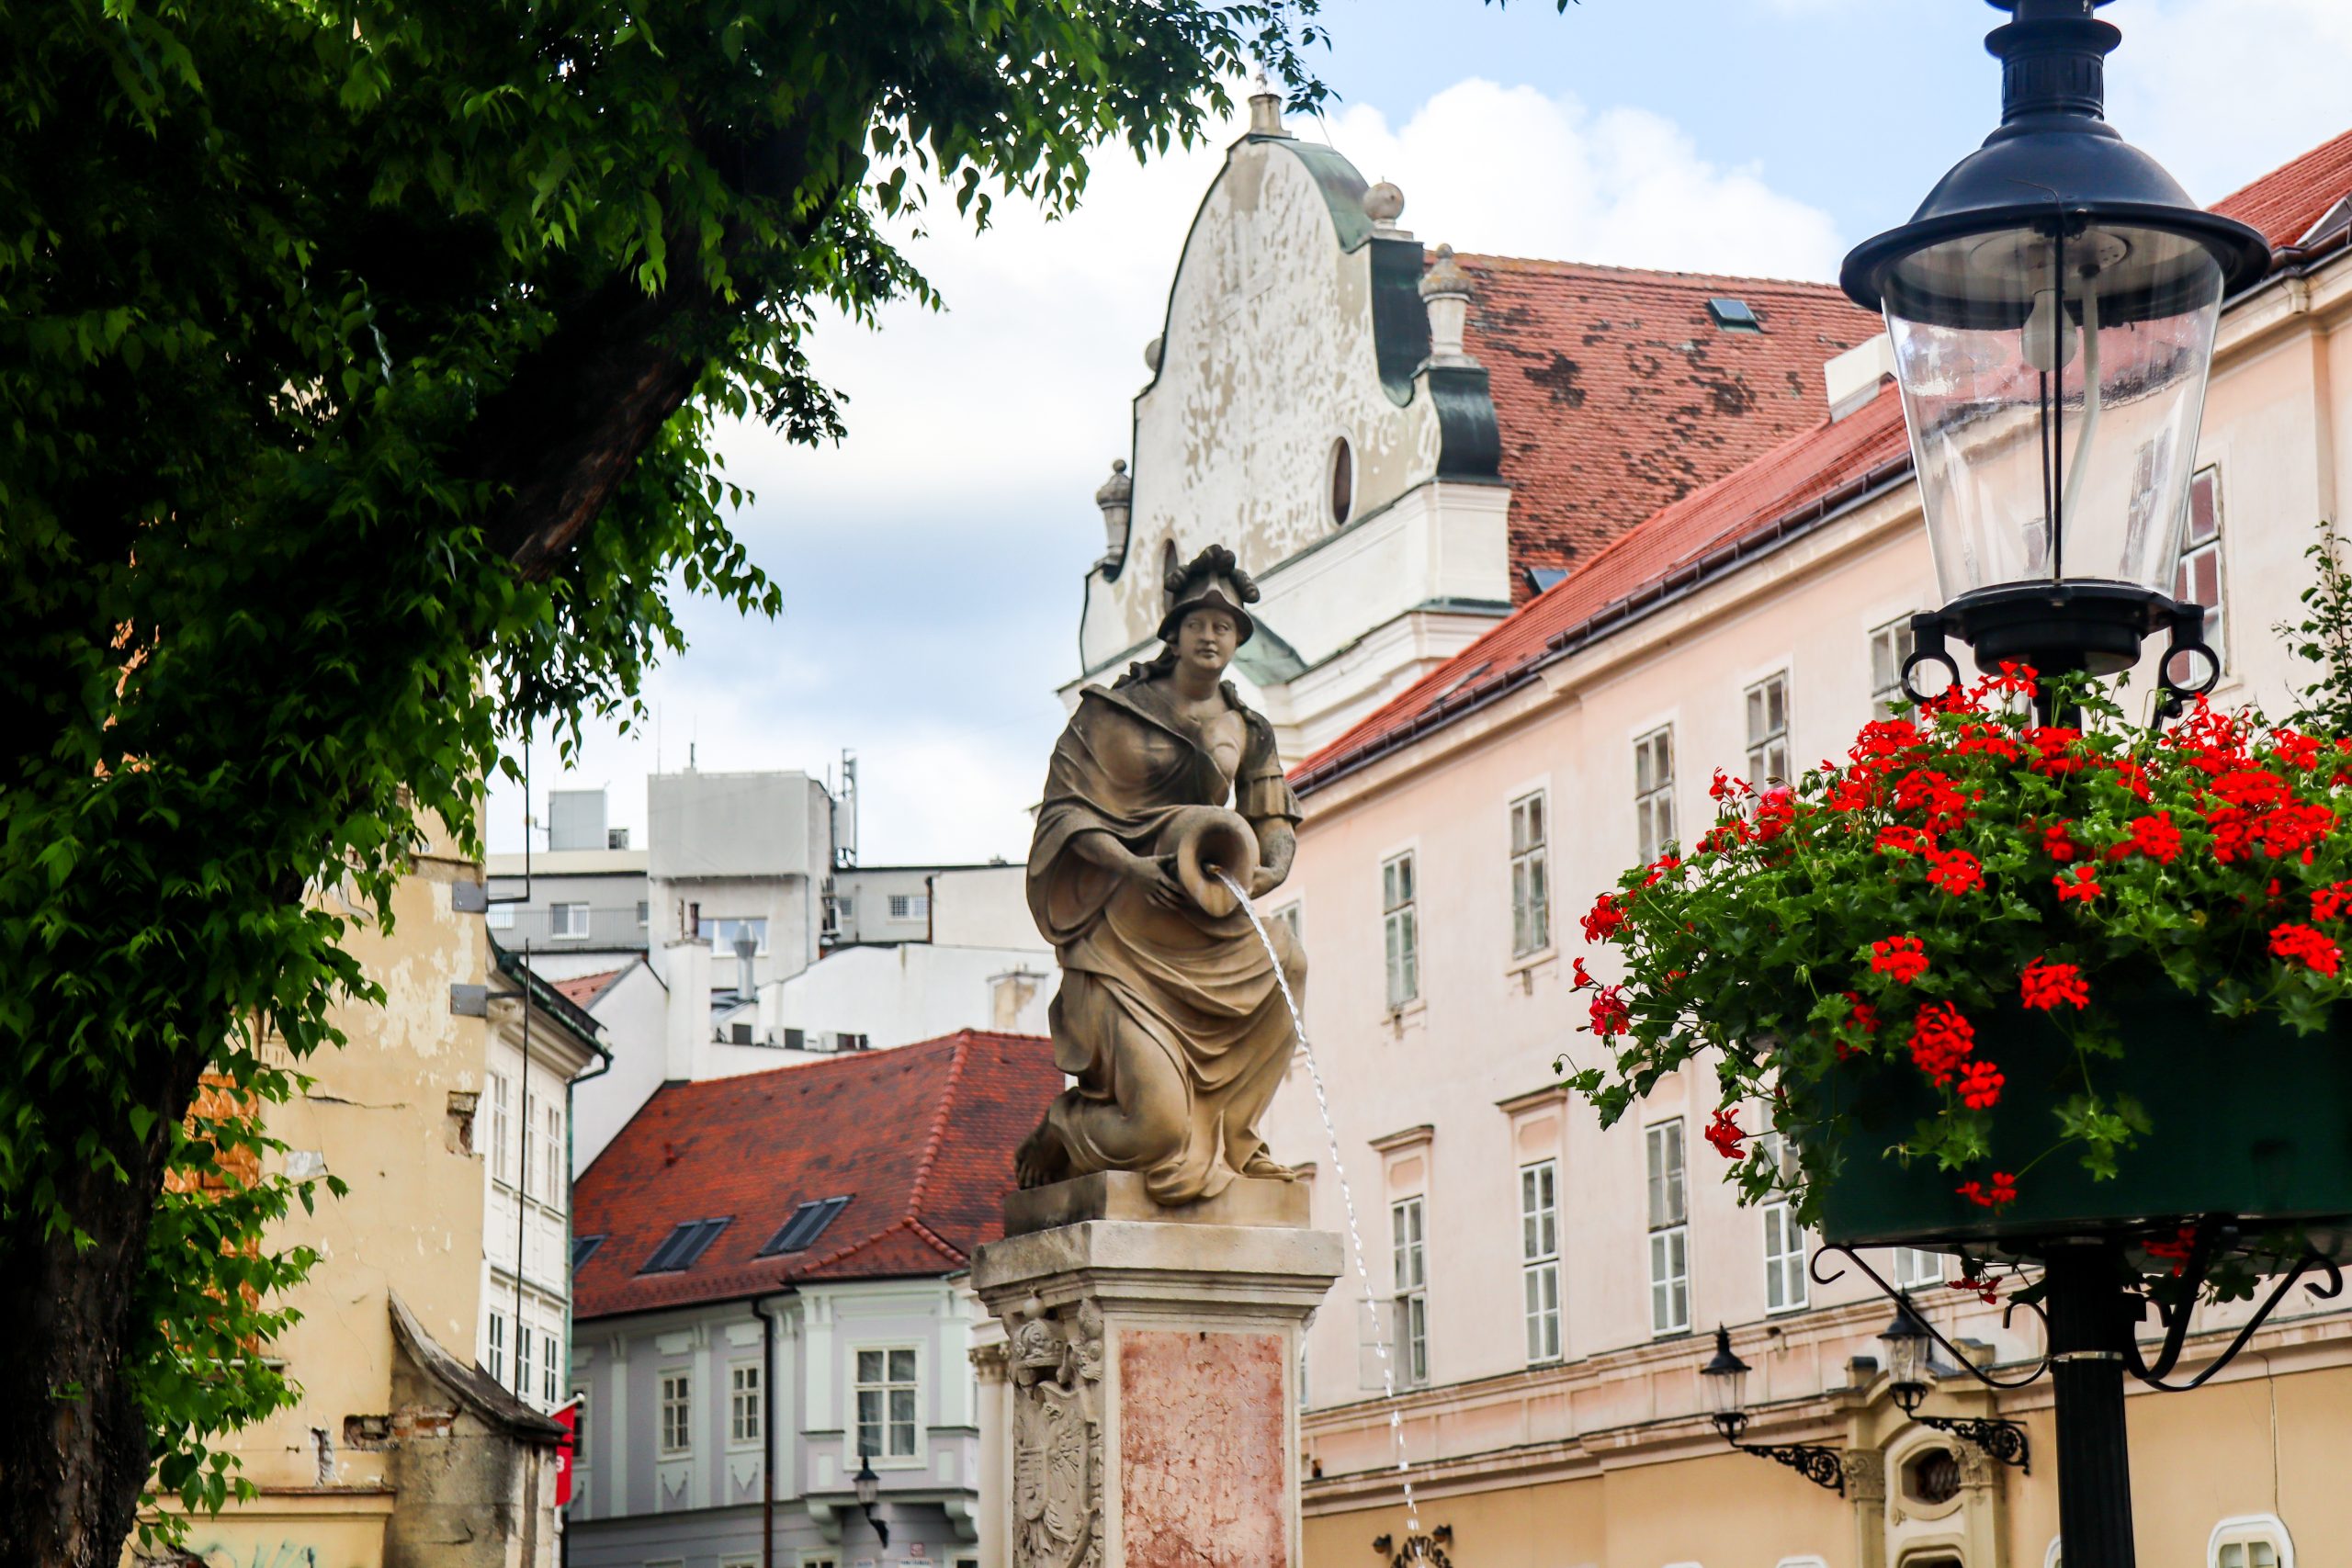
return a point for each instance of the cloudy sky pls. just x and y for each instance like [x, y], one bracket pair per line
[931, 564]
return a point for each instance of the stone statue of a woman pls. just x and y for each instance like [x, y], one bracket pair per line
[1169, 1016]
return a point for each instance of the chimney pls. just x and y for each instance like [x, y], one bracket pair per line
[1446, 291]
[686, 1035]
[1115, 498]
[1266, 110]
[747, 946]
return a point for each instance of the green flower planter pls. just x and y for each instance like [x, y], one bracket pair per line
[2249, 1118]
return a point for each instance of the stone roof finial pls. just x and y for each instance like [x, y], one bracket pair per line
[1446, 291]
[1383, 203]
[1115, 498]
[1266, 110]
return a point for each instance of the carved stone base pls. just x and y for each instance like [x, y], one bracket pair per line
[1141, 1410]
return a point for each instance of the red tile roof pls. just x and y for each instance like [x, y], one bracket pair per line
[919, 1139]
[585, 989]
[2287, 200]
[1616, 393]
[1787, 487]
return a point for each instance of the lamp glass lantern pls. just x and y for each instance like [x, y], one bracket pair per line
[868, 1484]
[1724, 1380]
[1910, 1365]
[2051, 308]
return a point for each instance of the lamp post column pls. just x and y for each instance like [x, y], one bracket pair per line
[2090, 1324]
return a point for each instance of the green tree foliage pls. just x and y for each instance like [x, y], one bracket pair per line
[328, 328]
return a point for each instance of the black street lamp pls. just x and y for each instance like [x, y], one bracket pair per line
[869, 1489]
[1724, 1379]
[2053, 305]
[1911, 1370]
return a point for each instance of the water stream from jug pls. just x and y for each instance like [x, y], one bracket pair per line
[1355, 1233]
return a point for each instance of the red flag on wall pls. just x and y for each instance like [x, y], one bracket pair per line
[567, 1416]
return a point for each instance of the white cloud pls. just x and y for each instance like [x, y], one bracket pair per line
[932, 564]
[2223, 91]
[1514, 171]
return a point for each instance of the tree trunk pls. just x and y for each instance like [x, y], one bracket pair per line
[72, 1467]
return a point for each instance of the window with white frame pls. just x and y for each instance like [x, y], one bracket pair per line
[677, 1412]
[1654, 793]
[1669, 1238]
[1293, 915]
[522, 1357]
[552, 1153]
[1784, 1275]
[1539, 1256]
[566, 921]
[2197, 578]
[909, 905]
[1531, 895]
[743, 1422]
[550, 1368]
[2255, 1540]
[887, 1390]
[1412, 1333]
[1768, 731]
[1912, 1268]
[1890, 646]
[502, 1129]
[722, 934]
[496, 1359]
[1401, 929]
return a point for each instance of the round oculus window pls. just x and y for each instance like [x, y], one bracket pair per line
[1343, 481]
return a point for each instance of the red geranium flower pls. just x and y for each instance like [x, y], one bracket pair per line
[1955, 871]
[1583, 980]
[1606, 916]
[2329, 902]
[2307, 946]
[2085, 884]
[1609, 1013]
[1980, 1085]
[1724, 1133]
[2058, 843]
[1902, 957]
[2155, 837]
[2050, 986]
[1940, 1036]
[2003, 1191]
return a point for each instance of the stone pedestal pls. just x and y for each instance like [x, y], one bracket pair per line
[1143, 1402]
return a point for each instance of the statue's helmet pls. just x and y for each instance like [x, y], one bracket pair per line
[1213, 581]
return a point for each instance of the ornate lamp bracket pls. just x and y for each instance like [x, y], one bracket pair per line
[1824, 1467]
[1998, 1440]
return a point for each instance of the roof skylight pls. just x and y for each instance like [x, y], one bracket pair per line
[806, 1224]
[683, 1246]
[1733, 315]
[583, 1248]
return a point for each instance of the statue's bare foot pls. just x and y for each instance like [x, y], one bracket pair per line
[1265, 1167]
[1042, 1159]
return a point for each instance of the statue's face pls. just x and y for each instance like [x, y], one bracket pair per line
[1206, 639]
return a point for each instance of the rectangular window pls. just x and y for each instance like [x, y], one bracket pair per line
[497, 1364]
[1783, 1259]
[1539, 1252]
[567, 920]
[1531, 895]
[1412, 1330]
[550, 1354]
[551, 1151]
[644, 914]
[1654, 793]
[743, 1403]
[1293, 915]
[1912, 1268]
[885, 1404]
[2197, 578]
[909, 905]
[677, 1412]
[522, 1358]
[1402, 930]
[501, 917]
[1669, 1240]
[721, 935]
[1768, 731]
[1890, 646]
[502, 1129]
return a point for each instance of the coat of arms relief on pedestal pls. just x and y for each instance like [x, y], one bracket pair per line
[1056, 1365]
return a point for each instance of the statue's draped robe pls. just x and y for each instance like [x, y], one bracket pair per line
[1201, 990]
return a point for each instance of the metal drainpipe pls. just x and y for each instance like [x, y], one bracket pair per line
[565, 1539]
[767, 1430]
